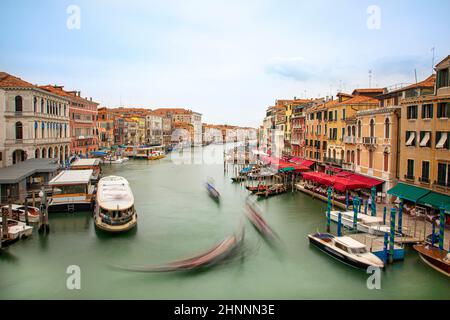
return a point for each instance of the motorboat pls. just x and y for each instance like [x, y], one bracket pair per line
[435, 258]
[114, 160]
[346, 250]
[115, 211]
[19, 210]
[17, 229]
[365, 223]
[156, 155]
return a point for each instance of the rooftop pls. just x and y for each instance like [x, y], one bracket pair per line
[85, 162]
[7, 80]
[71, 177]
[24, 169]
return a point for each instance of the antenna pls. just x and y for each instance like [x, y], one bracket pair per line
[415, 74]
[370, 78]
[432, 60]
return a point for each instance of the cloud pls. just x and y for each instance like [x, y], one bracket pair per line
[296, 68]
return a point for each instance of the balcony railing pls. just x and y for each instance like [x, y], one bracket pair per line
[369, 140]
[350, 139]
[333, 160]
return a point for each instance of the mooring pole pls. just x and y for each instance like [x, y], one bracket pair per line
[392, 236]
[385, 247]
[339, 231]
[433, 230]
[26, 212]
[441, 229]
[355, 212]
[329, 210]
[400, 216]
[384, 215]
[373, 206]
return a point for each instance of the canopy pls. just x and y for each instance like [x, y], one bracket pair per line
[339, 183]
[370, 182]
[99, 153]
[344, 184]
[436, 200]
[281, 164]
[408, 192]
[333, 169]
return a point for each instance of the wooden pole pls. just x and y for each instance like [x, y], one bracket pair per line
[26, 212]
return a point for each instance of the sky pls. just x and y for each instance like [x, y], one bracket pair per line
[228, 60]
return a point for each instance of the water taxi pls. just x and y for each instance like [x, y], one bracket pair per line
[438, 259]
[72, 190]
[129, 151]
[17, 229]
[346, 250]
[114, 160]
[88, 164]
[115, 210]
[365, 223]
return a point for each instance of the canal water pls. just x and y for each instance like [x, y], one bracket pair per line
[177, 219]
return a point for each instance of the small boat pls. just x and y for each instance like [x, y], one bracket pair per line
[17, 229]
[365, 223]
[271, 191]
[156, 155]
[259, 188]
[212, 191]
[214, 255]
[114, 160]
[115, 210]
[435, 258]
[33, 212]
[258, 221]
[346, 250]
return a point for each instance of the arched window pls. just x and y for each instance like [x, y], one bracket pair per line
[334, 154]
[19, 104]
[36, 153]
[353, 131]
[386, 161]
[44, 153]
[370, 159]
[19, 131]
[372, 127]
[359, 129]
[35, 104]
[342, 155]
[348, 156]
[353, 156]
[42, 105]
[358, 157]
[387, 129]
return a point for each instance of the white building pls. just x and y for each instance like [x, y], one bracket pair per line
[196, 121]
[34, 123]
[154, 129]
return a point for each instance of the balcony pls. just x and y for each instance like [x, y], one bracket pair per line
[369, 140]
[333, 161]
[348, 166]
[409, 177]
[11, 142]
[350, 139]
[424, 180]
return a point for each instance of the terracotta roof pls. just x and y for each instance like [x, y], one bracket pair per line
[359, 100]
[162, 111]
[368, 90]
[427, 83]
[59, 90]
[7, 81]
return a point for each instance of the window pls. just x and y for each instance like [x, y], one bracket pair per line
[1, 156]
[19, 131]
[411, 138]
[370, 159]
[18, 104]
[335, 115]
[410, 170]
[358, 157]
[330, 115]
[425, 171]
[343, 133]
[359, 129]
[442, 141]
[372, 127]
[343, 114]
[443, 110]
[443, 178]
[442, 78]
[35, 104]
[425, 139]
[427, 111]
[387, 129]
[411, 112]
[386, 161]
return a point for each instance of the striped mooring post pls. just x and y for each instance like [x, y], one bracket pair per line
[373, 207]
[365, 206]
[346, 200]
[392, 235]
[385, 247]
[355, 211]
[441, 229]
[433, 230]
[329, 210]
[339, 227]
[384, 215]
[400, 217]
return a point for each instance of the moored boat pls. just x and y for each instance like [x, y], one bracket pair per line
[346, 250]
[114, 160]
[364, 223]
[259, 188]
[115, 210]
[156, 155]
[17, 229]
[435, 258]
[271, 191]
[19, 210]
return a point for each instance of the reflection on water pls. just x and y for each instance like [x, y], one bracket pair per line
[176, 219]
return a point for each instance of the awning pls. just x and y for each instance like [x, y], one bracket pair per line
[442, 141]
[333, 169]
[370, 182]
[408, 192]
[411, 138]
[436, 200]
[307, 163]
[425, 139]
[344, 184]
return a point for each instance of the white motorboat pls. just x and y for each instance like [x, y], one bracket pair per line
[115, 210]
[114, 160]
[33, 212]
[365, 223]
[346, 250]
[18, 229]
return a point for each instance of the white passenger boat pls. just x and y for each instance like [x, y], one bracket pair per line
[346, 250]
[115, 210]
[114, 160]
[365, 223]
[33, 212]
[72, 190]
[18, 229]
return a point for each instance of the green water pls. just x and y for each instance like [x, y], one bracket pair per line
[177, 219]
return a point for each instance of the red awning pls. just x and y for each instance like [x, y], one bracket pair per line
[307, 163]
[333, 169]
[370, 182]
[344, 184]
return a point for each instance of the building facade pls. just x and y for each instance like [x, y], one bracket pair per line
[105, 124]
[153, 129]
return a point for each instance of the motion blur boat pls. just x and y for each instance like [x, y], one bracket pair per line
[254, 216]
[212, 191]
[346, 250]
[115, 210]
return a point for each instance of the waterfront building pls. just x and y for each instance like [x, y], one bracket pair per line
[298, 133]
[337, 122]
[425, 133]
[154, 129]
[105, 127]
[134, 130]
[83, 120]
[120, 131]
[34, 123]
[188, 117]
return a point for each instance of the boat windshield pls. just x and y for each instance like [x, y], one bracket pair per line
[358, 250]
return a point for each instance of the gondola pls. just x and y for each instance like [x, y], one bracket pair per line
[273, 190]
[259, 223]
[212, 191]
[260, 188]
